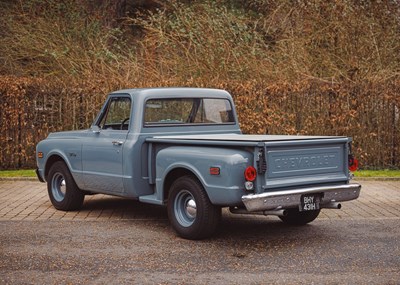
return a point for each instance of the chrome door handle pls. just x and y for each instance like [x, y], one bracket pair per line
[117, 142]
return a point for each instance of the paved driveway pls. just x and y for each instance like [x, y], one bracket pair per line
[118, 241]
[28, 200]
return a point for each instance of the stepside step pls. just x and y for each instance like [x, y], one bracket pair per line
[151, 199]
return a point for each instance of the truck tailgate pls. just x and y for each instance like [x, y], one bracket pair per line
[306, 162]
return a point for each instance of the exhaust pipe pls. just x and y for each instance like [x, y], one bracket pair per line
[281, 213]
[332, 205]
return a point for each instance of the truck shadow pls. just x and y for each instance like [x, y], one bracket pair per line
[232, 227]
[265, 227]
[117, 208]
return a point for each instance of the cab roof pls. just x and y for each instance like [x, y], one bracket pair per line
[184, 92]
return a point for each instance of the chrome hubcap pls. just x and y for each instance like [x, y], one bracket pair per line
[58, 187]
[185, 208]
[191, 209]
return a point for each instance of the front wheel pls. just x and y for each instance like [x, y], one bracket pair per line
[190, 211]
[63, 192]
[296, 218]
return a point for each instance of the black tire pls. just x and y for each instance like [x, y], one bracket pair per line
[296, 218]
[190, 211]
[63, 192]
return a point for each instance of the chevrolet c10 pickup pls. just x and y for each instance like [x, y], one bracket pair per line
[183, 148]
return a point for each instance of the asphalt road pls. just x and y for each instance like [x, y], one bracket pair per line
[246, 250]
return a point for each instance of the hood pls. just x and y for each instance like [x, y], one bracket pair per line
[67, 134]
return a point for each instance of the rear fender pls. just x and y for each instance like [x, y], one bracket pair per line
[225, 188]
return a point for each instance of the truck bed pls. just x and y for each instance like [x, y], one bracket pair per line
[285, 161]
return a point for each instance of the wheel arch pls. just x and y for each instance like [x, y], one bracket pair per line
[50, 162]
[173, 175]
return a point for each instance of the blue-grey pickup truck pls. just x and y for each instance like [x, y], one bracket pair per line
[183, 148]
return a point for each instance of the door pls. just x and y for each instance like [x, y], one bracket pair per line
[102, 150]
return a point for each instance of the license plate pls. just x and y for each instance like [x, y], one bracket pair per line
[309, 202]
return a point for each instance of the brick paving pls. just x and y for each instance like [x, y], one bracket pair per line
[28, 200]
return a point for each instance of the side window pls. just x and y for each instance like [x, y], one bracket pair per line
[117, 115]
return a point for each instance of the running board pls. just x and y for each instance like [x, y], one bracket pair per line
[151, 199]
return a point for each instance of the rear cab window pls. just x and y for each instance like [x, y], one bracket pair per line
[188, 111]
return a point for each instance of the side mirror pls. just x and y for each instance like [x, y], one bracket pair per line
[95, 129]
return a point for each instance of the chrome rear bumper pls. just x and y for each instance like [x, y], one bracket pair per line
[291, 198]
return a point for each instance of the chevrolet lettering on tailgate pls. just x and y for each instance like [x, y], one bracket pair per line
[305, 162]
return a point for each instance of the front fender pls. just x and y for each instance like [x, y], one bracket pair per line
[70, 154]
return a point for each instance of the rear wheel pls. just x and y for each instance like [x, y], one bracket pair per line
[63, 192]
[297, 218]
[190, 211]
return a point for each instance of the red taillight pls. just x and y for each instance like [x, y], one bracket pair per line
[353, 163]
[250, 173]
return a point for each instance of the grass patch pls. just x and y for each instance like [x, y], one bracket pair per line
[18, 173]
[377, 173]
